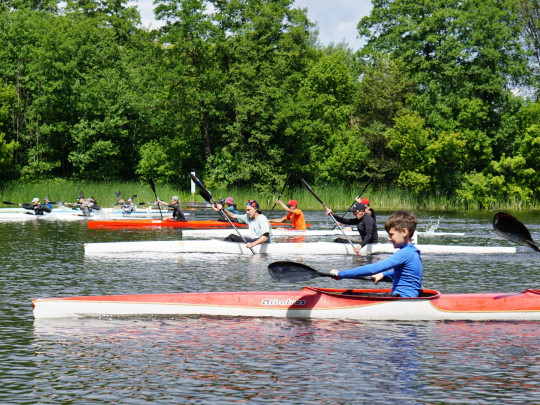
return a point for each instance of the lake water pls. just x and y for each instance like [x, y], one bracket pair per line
[204, 360]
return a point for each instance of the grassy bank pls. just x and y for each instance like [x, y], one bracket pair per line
[338, 198]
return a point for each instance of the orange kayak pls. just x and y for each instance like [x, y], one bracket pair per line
[168, 222]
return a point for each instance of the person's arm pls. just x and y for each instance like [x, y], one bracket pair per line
[219, 207]
[262, 239]
[347, 221]
[278, 221]
[286, 208]
[372, 268]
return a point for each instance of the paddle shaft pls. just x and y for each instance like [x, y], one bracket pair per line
[291, 272]
[280, 194]
[208, 197]
[153, 187]
[360, 195]
[325, 206]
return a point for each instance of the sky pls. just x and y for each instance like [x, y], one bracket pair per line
[336, 19]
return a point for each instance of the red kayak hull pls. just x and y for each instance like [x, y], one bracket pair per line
[168, 222]
[309, 302]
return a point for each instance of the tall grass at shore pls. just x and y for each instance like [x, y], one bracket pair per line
[339, 198]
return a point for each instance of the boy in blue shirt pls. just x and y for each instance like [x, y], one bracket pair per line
[404, 267]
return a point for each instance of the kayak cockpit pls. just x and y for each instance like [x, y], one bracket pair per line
[383, 294]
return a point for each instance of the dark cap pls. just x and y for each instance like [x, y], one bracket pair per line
[357, 207]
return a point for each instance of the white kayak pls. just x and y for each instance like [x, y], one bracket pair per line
[312, 248]
[222, 233]
[68, 214]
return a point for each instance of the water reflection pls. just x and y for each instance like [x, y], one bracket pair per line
[224, 360]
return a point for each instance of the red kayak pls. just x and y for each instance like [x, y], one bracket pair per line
[168, 222]
[310, 302]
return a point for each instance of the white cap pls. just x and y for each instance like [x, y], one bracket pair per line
[35, 200]
[175, 198]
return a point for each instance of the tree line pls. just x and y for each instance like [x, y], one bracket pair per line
[442, 99]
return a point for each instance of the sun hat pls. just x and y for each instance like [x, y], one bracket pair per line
[293, 202]
[229, 200]
[357, 207]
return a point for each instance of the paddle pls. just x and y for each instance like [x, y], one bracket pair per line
[280, 194]
[324, 205]
[81, 194]
[12, 203]
[511, 228]
[153, 187]
[360, 195]
[205, 194]
[292, 272]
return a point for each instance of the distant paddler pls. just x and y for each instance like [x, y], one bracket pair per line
[177, 214]
[47, 203]
[294, 215]
[35, 206]
[128, 206]
[259, 227]
[229, 205]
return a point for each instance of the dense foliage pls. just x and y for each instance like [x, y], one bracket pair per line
[442, 99]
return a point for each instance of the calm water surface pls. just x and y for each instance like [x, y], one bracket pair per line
[205, 360]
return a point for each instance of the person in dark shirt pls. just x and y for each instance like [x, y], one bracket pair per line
[366, 225]
[178, 214]
[38, 208]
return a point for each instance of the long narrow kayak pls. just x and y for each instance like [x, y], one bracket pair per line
[309, 302]
[313, 248]
[222, 233]
[158, 223]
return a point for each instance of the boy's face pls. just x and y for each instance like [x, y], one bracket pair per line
[398, 237]
[252, 212]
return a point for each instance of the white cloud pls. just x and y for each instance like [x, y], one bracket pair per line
[336, 19]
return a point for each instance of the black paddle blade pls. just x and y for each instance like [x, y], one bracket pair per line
[511, 228]
[9, 203]
[81, 194]
[117, 193]
[203, 191]
[292, 272]
[152, 185]
[134, 196]
[206, 197]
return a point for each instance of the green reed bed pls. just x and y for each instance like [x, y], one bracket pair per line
[339, 198]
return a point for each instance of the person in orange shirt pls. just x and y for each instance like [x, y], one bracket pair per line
[294, 215]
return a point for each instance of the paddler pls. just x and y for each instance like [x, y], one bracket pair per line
[178, 214]
[259, 227]
[369, 210]
[47, 203]
[294, 215]
[230, 205]
[127, 207]
[366, 225]
[404, 267]
[35, 206]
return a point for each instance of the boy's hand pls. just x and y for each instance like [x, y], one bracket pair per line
[377, 277]
[334, 274]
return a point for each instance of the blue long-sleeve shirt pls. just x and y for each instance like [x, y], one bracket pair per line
[404, 267]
